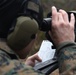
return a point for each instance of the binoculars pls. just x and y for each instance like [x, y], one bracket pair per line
[46, 24]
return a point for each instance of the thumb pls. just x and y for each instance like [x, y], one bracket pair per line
[36, 57]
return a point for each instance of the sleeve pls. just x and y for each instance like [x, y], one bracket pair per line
[15, 67]
[67, 58]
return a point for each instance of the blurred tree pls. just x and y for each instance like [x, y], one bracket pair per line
[67, 5]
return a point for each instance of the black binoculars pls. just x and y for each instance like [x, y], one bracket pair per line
[46, 24]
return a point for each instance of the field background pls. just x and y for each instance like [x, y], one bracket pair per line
[68, 5]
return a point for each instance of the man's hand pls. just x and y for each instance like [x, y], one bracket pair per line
[31, 60]
[62, 30]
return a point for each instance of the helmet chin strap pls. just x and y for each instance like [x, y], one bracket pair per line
[24, 32]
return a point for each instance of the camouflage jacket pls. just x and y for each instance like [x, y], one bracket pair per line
[67, 58]
[13, 66]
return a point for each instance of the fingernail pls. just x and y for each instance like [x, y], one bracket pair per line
[53, 7]
[72, 14]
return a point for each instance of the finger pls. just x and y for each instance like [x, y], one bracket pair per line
[37, 58]
[60, 18]
[54, 14]
[65, 15]
[72, 20]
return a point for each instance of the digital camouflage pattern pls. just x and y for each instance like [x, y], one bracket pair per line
[66, 59]
[14, 67]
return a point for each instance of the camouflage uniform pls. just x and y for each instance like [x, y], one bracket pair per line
[14, 66]
[10, 64]
[67, 58]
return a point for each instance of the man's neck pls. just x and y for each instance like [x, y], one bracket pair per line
[4, 46]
